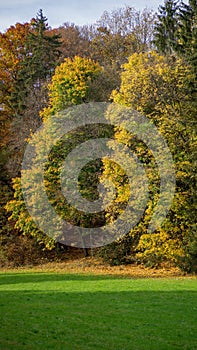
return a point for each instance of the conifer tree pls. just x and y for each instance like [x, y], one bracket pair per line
[176, 33]
[166, 26]
[187, 35]
[44, 49]
[42, 53]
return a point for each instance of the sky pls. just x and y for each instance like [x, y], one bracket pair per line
[58, 12]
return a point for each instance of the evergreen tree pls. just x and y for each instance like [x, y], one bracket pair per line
[42, 53]
[44, 49]
[176, 33]
[187, 36]
[166, 26]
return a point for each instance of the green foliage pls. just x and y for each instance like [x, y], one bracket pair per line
[37, 67]
[188, 261]
[187, 38]
[176, 32]
[44, 47]
[166, 26]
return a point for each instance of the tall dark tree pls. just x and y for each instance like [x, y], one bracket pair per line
[187, 34]
[42, 52]
[44, 49]
[166, 26]
[176, 32]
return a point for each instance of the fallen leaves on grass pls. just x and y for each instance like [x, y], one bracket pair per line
[96, 266]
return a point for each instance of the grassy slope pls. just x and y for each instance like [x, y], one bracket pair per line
[82, 311]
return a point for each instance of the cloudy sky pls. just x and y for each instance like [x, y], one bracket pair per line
[59, 11]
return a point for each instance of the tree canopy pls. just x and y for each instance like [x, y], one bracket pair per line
[132, 58]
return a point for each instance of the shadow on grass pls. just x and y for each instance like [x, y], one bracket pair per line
[14, 278]
[115, 314]
[98, 320]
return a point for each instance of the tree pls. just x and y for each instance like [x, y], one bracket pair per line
[28, 92]
[120, 33]
[166, 26]
[12, 51]
[42, 53]
[27, 59]
[74, 41]
[175, 32]
[44, 49]
[155, 86]
[70, 85]
[115, 36]
[187, 36]
[151, 81]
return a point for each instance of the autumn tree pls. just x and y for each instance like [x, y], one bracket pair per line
[155, 86]
[120, 33]
[12, 51]
[70, 86]
[27, 60]
[28, 93]
[74, 41]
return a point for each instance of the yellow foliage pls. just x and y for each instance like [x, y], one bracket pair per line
[149, 80]
[156, 86]
[157, 247]
[70, 84]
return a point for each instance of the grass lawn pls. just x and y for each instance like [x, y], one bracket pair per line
[70, 311]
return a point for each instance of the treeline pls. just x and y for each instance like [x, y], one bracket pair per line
[143, 60]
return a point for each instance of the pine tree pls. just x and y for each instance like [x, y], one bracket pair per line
[187, 35]
[44, 49]
[166, 27]
[42, 53]
[176, 33]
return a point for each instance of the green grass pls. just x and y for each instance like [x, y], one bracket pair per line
[70, 312]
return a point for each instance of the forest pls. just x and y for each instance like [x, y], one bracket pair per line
[143, 60]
